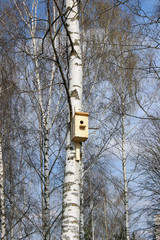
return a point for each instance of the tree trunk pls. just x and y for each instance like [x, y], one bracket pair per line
[46, 184]
[123, 154]
[82, 197]
[105, 212]
[42, 174]
[45, 124]
[91, 204]
[71, 190]
[125, 173]
[2, 198]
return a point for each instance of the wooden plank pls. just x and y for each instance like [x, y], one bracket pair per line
[77, 151]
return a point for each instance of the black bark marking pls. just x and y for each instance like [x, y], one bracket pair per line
[74, 53]
[67, 186]
[74, 94]
[69, 147]
[71, 158]
[77, 64]
[76, 43]
[69, 173]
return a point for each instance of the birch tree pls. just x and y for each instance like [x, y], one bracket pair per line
[71, 194]
[125, 91]
[2, 196]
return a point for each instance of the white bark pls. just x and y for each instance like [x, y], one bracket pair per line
[45, 120]
[124, 164]
[82, 232]
[91, 204]
[124, 157]
[20, 230]
[41, 163]
[12, 230]
[2, 197]
[71, 192]
[46, 184]
[125, 178]
[105, 212]
[82, 196]
[12, 210]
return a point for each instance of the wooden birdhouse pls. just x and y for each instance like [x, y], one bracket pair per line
[79, 127]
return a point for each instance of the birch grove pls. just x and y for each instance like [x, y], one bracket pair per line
[63, 58]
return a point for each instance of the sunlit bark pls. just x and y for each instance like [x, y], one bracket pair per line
[2, 197]
[71, 193]
[124, 162]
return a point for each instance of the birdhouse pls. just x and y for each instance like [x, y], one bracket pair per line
[79, 127]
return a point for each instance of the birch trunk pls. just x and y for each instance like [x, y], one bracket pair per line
[82, 232]
[71, 190]
[45, 124]
[12, 230]
[2, 198]
[91, 204]
[46, 184]
[105, 212]
[20, 230]
[82, 197]
[125, 171]
[42, 175]
[123, 153]
[11, 206]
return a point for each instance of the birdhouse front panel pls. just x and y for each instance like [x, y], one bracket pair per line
[79, 130]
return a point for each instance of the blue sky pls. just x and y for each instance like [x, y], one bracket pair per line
[149, 5]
